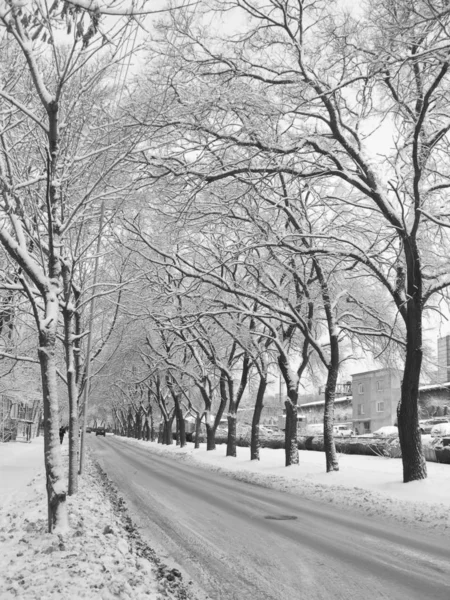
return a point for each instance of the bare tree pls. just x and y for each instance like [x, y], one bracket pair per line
[330, 88]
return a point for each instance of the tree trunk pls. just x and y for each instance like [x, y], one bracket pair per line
[234, 404]
[181, 429]
[259, 404]
[210, 437]
[332, 463]
[198, 421]
[167, 435]
[56, 493]
[129, 423]
[161, 433]
[38, 428]
[231, 438]
[150, 414]
[138, 425]
[72, 388]
[291, 438]
[177, 432]
[414, 465]
[152, 428]
[145, 430]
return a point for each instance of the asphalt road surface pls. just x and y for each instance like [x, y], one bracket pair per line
[238, 541]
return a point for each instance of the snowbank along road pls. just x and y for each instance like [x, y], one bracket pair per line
[238, 541]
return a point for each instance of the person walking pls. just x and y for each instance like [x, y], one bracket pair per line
[62, 431]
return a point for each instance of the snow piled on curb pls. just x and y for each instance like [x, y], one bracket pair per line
[368, 484]
[93, 560]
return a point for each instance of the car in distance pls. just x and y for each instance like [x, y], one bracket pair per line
[100, 431]
[440, 429]
[427, 425]
[342, 430]
[386, 431]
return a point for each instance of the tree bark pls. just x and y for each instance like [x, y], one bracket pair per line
[181, 429]
[234, 404]
[259, 405]
[161, 433]
[150, 414]
[167, 431]
[414, 465]
[332, 463]
[291, 437]
[138, 424]
[198, 421]
[56, 493]
[331, 460]
[231, 438]
[130, 423]
[152, 425]
[71, 373]
[210, 437]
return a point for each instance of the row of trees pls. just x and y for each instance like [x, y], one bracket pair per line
[273, 197]
[61, 160]
[324, 148]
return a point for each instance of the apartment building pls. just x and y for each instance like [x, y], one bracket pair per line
[375, 398]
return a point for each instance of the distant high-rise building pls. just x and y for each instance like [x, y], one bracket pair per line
[444, 359]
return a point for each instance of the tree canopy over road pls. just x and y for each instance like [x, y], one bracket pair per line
[272, 179]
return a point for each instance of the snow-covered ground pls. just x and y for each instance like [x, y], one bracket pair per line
[96, 559]
[369, 484]
[100, 558]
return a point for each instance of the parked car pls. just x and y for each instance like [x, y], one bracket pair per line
[101, 431]
[222, 431]
[313, 429]
[342, 430]
[441, 429]
[386, 431]
[270, 428]
[427, 425]
[265, 430]
[88, 429]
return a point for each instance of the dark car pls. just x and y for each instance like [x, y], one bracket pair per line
[100, 431]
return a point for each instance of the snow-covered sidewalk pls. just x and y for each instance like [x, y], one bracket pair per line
[100, 557]
[368, 484]
[19, 462]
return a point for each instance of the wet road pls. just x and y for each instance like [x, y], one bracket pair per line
[239, 541]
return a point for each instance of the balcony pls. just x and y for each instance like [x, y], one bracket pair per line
[342, 389]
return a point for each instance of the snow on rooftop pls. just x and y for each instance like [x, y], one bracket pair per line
[434, 386]
[322, 402]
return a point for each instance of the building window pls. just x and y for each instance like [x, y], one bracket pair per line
[380, 406]
[361, 388]
[379, 386]
[360, 409]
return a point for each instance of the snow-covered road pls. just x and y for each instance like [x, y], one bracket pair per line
[240, 541]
